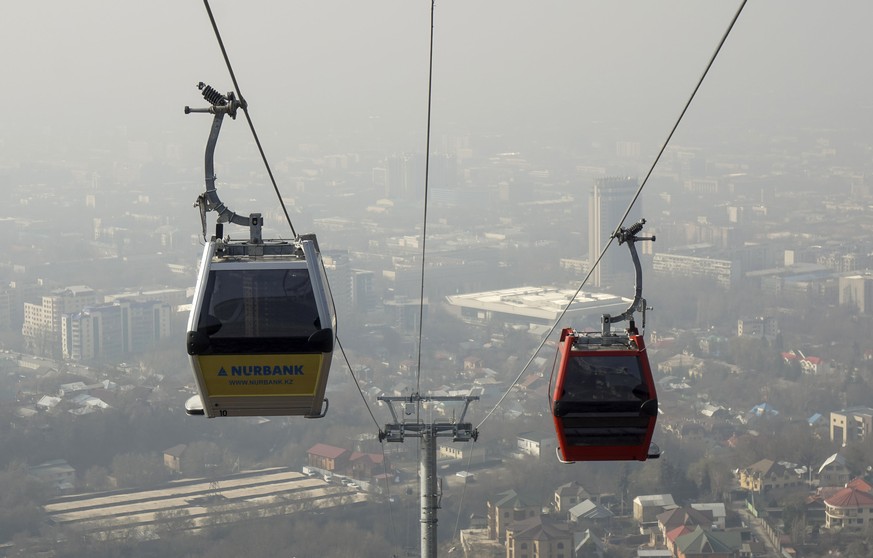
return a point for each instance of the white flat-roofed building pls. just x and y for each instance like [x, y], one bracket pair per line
[173, 297]
[534, 306]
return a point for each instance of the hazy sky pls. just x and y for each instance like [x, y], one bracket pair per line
[330, 68]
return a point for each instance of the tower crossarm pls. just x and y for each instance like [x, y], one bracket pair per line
[459, 430]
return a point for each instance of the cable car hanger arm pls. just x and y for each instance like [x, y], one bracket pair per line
[629, 236]
[220, 105]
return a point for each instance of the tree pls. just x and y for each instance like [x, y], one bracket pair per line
[170, 522]
[857, 549]
[794, 519]
[20, 497]
[96, 478]
[203, 458]
[137, 469]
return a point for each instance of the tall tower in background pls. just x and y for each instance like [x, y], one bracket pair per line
[609, 200]
[339, 272]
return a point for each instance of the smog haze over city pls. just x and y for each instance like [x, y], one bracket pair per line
[759, 279]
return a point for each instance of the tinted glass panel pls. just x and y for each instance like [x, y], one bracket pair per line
[604, 379]
[259, 303]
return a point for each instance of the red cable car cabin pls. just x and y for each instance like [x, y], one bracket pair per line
[604, 403]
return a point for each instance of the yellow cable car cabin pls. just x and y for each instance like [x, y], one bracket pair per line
[262, 326]
[261, 331]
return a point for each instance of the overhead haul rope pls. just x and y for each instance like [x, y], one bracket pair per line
[357, 384]
[245, 107]
[624, 217]
[424, 216]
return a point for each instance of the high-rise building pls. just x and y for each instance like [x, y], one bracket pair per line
[857, 291]
[336, 263]
[405, 174]
[112, 330]
[93, 332]
[363, 293]
[42, 322]
[609, 199]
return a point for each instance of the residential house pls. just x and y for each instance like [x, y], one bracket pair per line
[766, 475]
[760, 327]
[718, 511]
[671, 535]
[834, 471]
[813, 365]
[173, 457]
[713, 345]
[329, 458]
[536, 444]
[84, 400]
[456, 451]
[366, 465]
[71, 388]
[682, 364]
[715, 412]
[506, 508]
[854, 423]
[48, 402]
[849, 508]
[682, 516]
[533, 383]
[859, 483]
[702, 543]
[763, 410]
[814, 510]
[647, 508]
[58, 473]
[472, 363]
[540, 535]
[589, 511]
[590, 545]
[568, 495]
[790, 358]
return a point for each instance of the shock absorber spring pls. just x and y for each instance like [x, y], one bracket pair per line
[214, 97]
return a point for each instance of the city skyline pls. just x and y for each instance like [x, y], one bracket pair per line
[760, 279]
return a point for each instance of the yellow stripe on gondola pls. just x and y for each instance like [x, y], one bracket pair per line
[254, 375]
